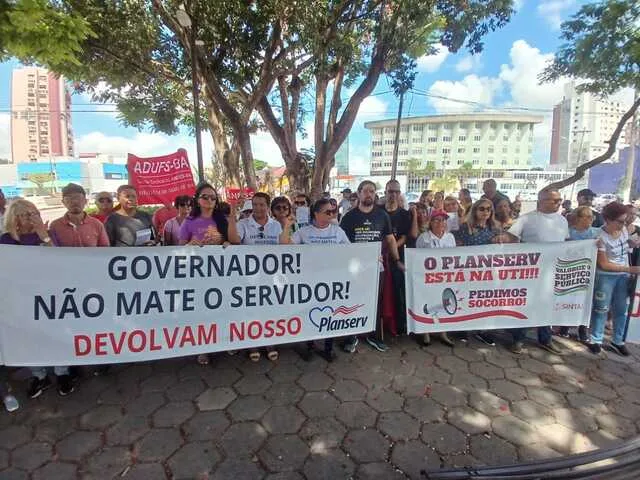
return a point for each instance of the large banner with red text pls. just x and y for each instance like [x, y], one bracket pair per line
[500, 286]
[159, 180]
[75, 306]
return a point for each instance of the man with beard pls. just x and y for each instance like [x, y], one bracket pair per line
[369, 223]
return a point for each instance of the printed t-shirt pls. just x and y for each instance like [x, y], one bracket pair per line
[617, 249]
[311, 234]
[362, 227]
[126, 231]
[252, 233]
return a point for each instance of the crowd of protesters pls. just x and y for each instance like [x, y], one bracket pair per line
[435, 221]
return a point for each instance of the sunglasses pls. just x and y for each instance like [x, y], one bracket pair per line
[184, 204]
[280, 208]
[208, 197]
[485, 209]
[333, 211]
[300, 204]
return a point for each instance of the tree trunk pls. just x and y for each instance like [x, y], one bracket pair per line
[582, 169]
[244, 141]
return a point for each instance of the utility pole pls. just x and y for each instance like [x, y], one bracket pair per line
[580, 156]
[394, 162]
[627, 183]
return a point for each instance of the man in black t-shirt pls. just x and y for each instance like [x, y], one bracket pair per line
[368, 223]
[401, 225]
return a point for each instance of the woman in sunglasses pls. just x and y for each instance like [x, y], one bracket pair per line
[171, 234]
[207, 225]
[281, 212]
[322, 231]
[478, 228]
[104, 203]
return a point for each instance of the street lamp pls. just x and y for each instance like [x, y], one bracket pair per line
[185, 22]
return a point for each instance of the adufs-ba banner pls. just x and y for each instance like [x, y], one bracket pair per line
[500, 286]
[110, 305]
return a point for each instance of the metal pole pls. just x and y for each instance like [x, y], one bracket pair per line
[196, 104]
[394, 162]
[627, 189]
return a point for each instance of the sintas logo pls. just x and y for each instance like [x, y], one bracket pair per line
[328, 319]
[572, 276]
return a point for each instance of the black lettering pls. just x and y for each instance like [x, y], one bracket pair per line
[69, 306]
[146, 265]
[212, 264]
[265, 265]
[234, 266]
[118, 272]
[153, 302]
[162, 269]
[265, 295]
[207, 298]
[49, 309]
[287, 263]
[128, 309]
[251, 265]
[188, 297]
[236, 293]
[180, 266]
[86, 304]
[195, 265]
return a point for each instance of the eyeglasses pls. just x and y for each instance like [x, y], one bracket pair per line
[300, 204]
[330, 212]
[281, 208]
[485, 209]
[437, 219]
[208, 197]
[104, 199]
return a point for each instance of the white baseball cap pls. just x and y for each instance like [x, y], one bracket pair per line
[247, 206]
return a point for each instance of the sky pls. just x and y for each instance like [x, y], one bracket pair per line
[503, 75]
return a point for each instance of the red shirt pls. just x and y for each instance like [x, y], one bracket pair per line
[162, 216]
[101, 217]
[90, 233]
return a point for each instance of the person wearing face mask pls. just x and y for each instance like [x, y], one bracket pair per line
[322, 231]
[454, 213]
[437, 237]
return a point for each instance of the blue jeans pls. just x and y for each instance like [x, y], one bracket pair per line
[611, 291]
[544, 334]
[41, 372]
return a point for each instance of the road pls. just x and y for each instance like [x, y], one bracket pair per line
[52, 213]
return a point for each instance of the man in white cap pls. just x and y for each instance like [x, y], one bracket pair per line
[247, 209]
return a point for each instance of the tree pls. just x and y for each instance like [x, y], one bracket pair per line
[345, 48]
[602, 48]
[465, 172]
[33, 30]
[447, 183]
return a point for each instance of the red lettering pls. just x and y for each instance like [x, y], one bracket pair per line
[207, 338]
[101, 342]
[171, 341]
[117, 348]
[78, 341]
[153, 346]
[187, 336]
[235, 333]
[142, 343]
[298, 324]
[268, 328]
[255, 330]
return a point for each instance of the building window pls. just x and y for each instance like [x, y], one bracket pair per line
[505, 138]
[388, 153]
[446, 151]
[432, 139]
[492, 138]
[490, 150]
[505, 149]
[404, 141]
[460, 161]
[490, 161]
[492, 126]
[376, 154]
[416, 151]
[446, 139]
[446, 126]
[416, 139]
[461, 150]
[462, 138]
[390, 130]
[403, 153]
[504, 161]
[506, 126]
[433, 127]
[476, 150]
[476, 138]
[478, 125]
[431, 151]
[417, 128]
[476, 161]
[519, 126]
[376, 143]
[517, 149]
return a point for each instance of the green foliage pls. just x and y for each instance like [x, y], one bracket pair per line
[259, 164]
[602, 47]
[446, 183]
[36, 31]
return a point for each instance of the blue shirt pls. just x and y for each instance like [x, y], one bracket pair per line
[590, 233]
[481, 236]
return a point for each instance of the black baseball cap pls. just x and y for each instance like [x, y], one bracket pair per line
[586, 192]
[346, 190]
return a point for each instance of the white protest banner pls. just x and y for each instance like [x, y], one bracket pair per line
[500, 286]
[75, 306]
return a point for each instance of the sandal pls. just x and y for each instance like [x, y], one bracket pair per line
[203, 359]
[254, 356]
[272, 355]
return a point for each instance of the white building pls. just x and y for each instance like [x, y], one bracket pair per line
[582, 123]
[484, 140]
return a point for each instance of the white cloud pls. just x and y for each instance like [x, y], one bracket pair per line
[468, 63]
[471, 89]
[553, 11]
[5, 135]
[521, 76]
[431, 63]
[371, 108]
[517, 4]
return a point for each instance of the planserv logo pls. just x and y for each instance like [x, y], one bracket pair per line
[328, 319]
[572, 276]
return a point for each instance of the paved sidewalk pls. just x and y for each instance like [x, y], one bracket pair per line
[368, 415]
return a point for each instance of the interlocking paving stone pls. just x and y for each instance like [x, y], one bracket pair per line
[283, 394]
[413, 456]
[469, 420]
[445, 438]
[449, 395]
[127, 430]
[31, 456]
[77, 445]
[315, 381]
[206, 426]
[252, 384]
[194, 460]
[145, 404]
[331, 464]
[515, 430]
[322, 433]
[243, 439]
[424, 409]
[173, 414]
[158, 444]
[618, 426]
[507, 390]
[318, 404]
[575, 420]
[366, 445]
[384, 400]
[4, 459]
[356, 414]
[14, 474]
[532, 412]
[469, 382]
[492, 450]
[349, 390]
[107, 463]
[489, 404]
[55, 471]
[14, 435]
[283, 419]
[398, 426]
[186, 389]
[250, 407]
[283, 453]
[146, 471]
[215, 398]
[238, 469]
[537, 451]
[285, 373]
[378, 471]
